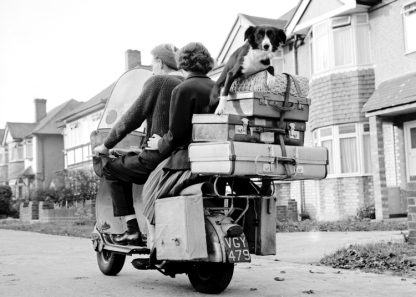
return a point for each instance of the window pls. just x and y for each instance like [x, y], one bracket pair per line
[3, 156]
[409, 24]
[16, 152]
[29, 149]
[79, 154]
[348, 148]
[340, 42]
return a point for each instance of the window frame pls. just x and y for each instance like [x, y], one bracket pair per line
[85, 157]
[403, 13]
[352, 24]
[336, 148]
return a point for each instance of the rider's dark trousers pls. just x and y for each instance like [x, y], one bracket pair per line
[120, 173]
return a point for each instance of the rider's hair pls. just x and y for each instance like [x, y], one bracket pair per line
[194, 57]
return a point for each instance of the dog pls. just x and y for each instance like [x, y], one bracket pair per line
[261, 44]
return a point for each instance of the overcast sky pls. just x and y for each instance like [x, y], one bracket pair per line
[63, 49]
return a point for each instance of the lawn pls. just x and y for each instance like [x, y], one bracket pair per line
[393, 257]
[343, 226]
[78, 229]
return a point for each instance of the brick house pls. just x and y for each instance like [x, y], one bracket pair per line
[32, 152]
[78, 124]
[361, 60]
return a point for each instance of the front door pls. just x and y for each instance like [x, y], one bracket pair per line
[410, 149]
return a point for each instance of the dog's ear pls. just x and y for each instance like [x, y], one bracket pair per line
[249, 32]
[281, 35]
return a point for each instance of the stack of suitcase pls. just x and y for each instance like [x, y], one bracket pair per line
[261, 132]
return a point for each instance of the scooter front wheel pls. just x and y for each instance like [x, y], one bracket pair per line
[211, 278]
[110, 263]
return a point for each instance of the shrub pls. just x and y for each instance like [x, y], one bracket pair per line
[366, 212]
[5, 200]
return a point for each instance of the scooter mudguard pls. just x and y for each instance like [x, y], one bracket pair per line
[222, 248]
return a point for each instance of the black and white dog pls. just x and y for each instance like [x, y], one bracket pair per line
[261, 45]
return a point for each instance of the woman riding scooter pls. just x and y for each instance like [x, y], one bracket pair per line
[189, 98]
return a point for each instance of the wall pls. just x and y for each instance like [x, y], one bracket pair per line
[387, 41]
[48, 212]
[338, 98]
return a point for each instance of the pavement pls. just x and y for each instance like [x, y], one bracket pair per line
[33, 264]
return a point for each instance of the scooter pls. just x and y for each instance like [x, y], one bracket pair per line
[216, 219]
[225, 230]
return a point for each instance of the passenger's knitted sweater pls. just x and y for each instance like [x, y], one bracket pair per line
[152, 105]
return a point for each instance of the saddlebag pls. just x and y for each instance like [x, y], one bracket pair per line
[257, 159]
[180, 228]
[209, 127]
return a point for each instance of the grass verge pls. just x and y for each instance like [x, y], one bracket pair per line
[393, 257]
[78, 229]
[343, 226]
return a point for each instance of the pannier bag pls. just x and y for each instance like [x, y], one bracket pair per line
[209, 127]
[263, 95]
[257, 159]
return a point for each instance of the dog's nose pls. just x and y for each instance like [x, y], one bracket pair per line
[266, 46]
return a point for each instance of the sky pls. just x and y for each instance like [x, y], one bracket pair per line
[72, 49]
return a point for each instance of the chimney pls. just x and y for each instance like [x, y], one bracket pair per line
[133, 59]
[40, 109]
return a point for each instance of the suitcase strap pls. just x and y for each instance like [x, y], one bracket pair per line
[281, 124]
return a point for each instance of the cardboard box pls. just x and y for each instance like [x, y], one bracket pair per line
[180, 228]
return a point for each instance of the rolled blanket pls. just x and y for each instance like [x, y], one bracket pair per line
[263, 81]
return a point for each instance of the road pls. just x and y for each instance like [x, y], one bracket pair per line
[33, 264]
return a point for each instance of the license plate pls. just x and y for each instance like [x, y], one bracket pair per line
[237, 249]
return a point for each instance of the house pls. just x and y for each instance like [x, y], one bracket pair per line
[3, 160]
[78, 124]
[360, 57]
[32, 152]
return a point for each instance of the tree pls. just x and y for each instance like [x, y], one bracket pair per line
[5, 200]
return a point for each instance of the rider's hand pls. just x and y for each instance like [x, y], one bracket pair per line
[221, 104]
[152, 143]
[101, 150]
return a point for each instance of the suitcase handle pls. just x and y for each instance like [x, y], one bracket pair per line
[272, 160]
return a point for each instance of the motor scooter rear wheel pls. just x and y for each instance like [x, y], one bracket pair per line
[110, 263]
[211, 278]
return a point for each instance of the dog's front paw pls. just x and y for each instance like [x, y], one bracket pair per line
[221, 105]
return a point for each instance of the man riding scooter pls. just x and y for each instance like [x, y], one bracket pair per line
[153, 106]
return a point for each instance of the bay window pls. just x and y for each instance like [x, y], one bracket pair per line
[341, 42]
[348, 148]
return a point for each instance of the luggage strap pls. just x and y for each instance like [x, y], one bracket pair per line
[281, 123]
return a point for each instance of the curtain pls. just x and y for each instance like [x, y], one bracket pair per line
[348, 150]
[328, 145]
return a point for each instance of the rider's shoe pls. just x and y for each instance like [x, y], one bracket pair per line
[132, 238]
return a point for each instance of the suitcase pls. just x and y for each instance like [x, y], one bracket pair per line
[209, 127]
[267, 105]
[257, 159]
[180, 228]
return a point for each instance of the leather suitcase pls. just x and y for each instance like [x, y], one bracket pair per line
[267, 105]
[209, 127]
[257, 159]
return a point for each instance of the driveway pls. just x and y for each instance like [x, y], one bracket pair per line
[33, 264]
